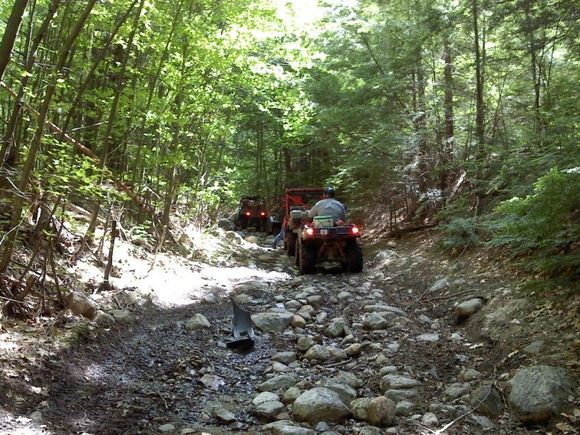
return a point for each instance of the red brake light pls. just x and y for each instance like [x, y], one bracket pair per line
[248, 213]
[309, 231]
[263, 213]
[354, 230]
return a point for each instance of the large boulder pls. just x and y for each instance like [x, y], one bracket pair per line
[319, 404]
[539, 392]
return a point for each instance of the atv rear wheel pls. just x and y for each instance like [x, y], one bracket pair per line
[306, 259]
[354, 257]
[291, 245]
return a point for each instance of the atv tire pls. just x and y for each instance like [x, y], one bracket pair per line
[291, 245]
[354, 258]
[306, 259]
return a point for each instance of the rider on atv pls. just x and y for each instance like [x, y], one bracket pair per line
[329, 206]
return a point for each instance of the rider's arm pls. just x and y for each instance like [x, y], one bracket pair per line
[313, 211]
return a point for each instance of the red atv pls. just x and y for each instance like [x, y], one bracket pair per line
[252, 213]
[318, 241]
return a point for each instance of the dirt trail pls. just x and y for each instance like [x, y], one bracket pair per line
[153, 375]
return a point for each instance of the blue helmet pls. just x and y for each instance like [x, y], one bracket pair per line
[329, 192]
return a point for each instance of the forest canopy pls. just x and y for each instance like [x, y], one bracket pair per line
[456, 112]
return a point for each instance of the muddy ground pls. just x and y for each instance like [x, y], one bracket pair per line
[149, 374]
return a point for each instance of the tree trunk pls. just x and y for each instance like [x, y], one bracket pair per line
[449, 142]
[119, 89]
[479, 101]
[10, 33]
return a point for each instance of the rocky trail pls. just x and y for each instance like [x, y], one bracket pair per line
[413, 345]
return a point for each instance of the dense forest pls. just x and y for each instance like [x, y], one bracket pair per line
[457, 113]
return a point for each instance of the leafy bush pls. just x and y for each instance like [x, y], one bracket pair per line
[459, 233]
[544, 225]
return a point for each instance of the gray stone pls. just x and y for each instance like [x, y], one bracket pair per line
[337, 354]
[385, 309]
[456, 390]
[440, 284]
[484, 422]
[539, 392]
[404, 407]
[318, 352]
[121, 316]
[429, 420]
[273, 321]
[354, 349]
[278, 367]
[398, 395]
[314, 300]
[388, 370]
[284, 357]
[166, 428]
[431, 338]
[469, 375]
[359, 408]
[291, 395]
[348, 378]
[277, 382]
[381, 411]
[487, 400]
[375, 321]
[232, 236]
[398, 382]
[265, 396]
[304, 343]
[370, 430]
[198, 321]
[81, 305]
[104, 320]
[336, 328]
[322, 426]
[293, 305]
[284, 427]
[534, 348]
[319, 404]
[346, 393]
[344, 295]
[321, 317]
[468, 308]
[268, 410]
[223, 414]
[298, 321]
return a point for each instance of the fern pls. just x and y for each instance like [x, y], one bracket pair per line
[544, 225]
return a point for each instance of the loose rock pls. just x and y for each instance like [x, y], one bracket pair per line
[319, 404]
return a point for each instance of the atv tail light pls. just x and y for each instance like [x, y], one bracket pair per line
[354, 230]
[263, 213]
[248, 213]
[309, 231]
